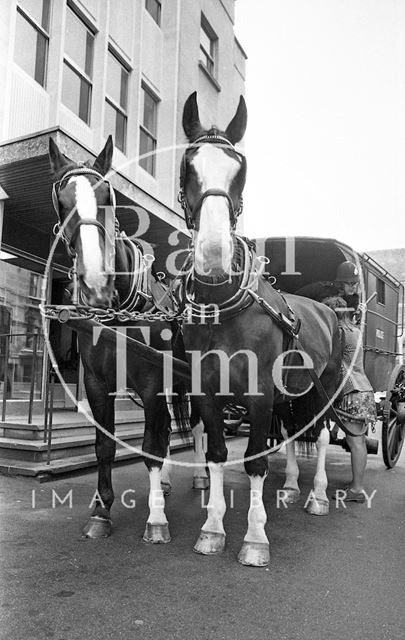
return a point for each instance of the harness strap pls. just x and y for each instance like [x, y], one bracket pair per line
[291, 328]
[289, 325]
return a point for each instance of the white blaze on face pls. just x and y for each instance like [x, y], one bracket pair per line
[213, 248]
[92, 255]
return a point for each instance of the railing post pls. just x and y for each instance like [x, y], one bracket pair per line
[48, 451]
[33, 375]
[46, 393]
[6, 355]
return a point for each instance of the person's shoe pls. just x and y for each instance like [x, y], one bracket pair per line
[351, 496]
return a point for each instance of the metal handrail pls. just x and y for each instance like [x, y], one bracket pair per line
[8, 337]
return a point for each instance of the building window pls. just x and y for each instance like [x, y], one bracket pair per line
[35, 286]
[154, 7]
[148, 132]
[78, 66]
[380, 291]
[208, 44]
[32, 38]
[115, 119]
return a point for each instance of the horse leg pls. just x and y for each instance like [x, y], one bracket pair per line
[290, 488]
[157, 426]
[212, 536]
[102, 406]
[318, 503]
[200, 477]
[166, 483]
[255, 549]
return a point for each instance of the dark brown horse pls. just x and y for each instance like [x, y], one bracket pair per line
[241, 333]
[112, 275]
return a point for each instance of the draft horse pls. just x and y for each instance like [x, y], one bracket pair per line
[241, 336]
[112, 275]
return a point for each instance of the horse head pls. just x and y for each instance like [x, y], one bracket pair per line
[212, 178]
[85, 205]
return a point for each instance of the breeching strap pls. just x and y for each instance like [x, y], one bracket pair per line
[292, 330]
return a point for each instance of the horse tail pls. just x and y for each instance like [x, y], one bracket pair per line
[180, 399]
[181, 411]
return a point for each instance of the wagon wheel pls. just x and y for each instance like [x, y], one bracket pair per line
[393, 430]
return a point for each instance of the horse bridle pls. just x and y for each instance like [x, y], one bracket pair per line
[58, 228]
[190, 213]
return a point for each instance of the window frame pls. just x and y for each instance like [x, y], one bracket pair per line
[114, 104]
[159, 16]
[212, 54]
[381, 289]
[149, 134]
[77, 70]
[44, 33]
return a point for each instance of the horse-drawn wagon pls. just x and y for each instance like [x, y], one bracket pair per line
[300, 261]
[239, 328]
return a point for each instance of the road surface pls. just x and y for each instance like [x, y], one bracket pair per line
[335, 577]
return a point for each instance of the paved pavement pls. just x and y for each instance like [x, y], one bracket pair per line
[330, 578]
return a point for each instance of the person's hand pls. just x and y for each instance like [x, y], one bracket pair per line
[362, 307]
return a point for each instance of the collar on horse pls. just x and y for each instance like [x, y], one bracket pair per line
[190, 213]
[251, 269]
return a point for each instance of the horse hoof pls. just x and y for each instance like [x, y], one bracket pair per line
[318, 507]
[157, 533]
[254, 554]
[210, 543]
[166, 488]
[97, 527]
[291, 496]
[200, 482]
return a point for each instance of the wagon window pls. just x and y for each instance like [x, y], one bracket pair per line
[380, 291]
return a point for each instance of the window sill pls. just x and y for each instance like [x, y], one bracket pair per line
[209, 76]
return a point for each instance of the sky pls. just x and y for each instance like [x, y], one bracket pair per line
[325, 142]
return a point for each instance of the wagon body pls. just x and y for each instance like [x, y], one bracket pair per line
[296, 262]
[300, 261]
[383, 326]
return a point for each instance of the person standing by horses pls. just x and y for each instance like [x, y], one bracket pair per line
[357, 395]
[357, 399]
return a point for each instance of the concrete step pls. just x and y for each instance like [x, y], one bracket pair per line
[36, 450]
[20, 406]
[75, 464]
[66, 424]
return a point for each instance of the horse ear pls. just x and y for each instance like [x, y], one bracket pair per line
[237, 126]
[191, 118]
[103, 162]
[56, 158]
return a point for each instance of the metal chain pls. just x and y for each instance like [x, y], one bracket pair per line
[63, 313]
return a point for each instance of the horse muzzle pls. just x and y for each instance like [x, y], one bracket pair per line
[213, 258]
[100, 297]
